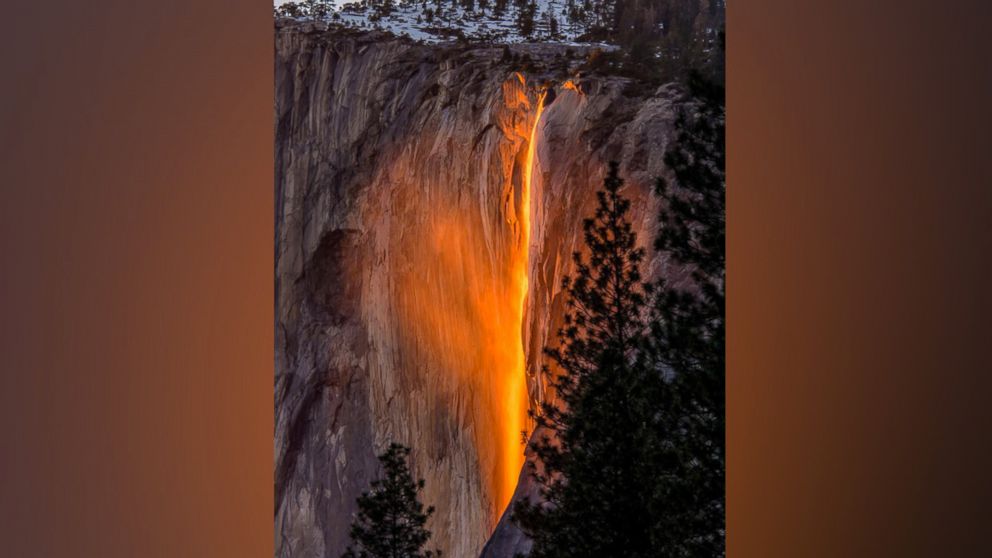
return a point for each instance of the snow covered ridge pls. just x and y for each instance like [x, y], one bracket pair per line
[431, 21]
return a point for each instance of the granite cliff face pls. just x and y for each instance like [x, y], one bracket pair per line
[425, 216]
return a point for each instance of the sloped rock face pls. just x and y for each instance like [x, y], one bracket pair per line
[400, 218]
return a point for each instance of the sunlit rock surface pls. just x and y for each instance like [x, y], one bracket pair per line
[400, 218]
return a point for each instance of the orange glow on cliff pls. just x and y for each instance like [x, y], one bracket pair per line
[458, 286]
[516, 389]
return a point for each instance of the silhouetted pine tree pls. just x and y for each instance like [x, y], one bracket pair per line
[313, 9]
[390, 521]
[688, 335]
[631, 461]
[317, 9]
[290, 9]
[590, 463]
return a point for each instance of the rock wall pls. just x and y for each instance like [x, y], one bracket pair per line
[400, 218]
[589, 123]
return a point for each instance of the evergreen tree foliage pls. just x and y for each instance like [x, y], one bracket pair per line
[289, 9]
[313, 9]
[630, 461]
[661, 39]
[590, 467]
[499, 7]
[317, 9]
[688, 334]
[525, 18]
[552, 26]
[390, 520]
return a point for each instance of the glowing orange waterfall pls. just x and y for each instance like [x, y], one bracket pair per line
[460, 298]
[516, 390]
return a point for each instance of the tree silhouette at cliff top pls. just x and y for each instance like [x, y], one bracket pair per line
[590, 463]
[688, 333]
[313, 9]
[390, 520]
